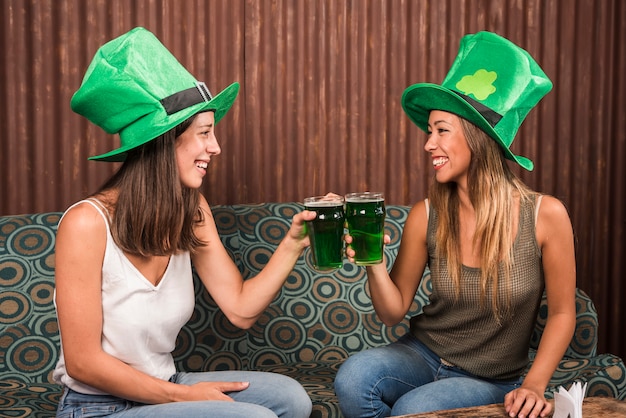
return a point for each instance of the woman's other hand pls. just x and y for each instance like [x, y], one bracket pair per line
[526, 403]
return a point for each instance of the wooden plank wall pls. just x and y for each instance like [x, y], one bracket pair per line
[319, 109]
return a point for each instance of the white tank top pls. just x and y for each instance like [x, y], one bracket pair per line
[140, 321]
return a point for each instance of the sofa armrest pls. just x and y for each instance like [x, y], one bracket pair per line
[605, 375]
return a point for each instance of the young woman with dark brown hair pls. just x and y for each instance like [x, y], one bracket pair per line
[124, 255]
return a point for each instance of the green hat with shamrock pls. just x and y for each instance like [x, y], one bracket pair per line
[135, 87]
[492, 83]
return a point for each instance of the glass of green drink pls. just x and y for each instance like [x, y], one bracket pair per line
[326, 231]
[365, 214]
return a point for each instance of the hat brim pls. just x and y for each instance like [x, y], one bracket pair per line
[420, 99]
[220, 104]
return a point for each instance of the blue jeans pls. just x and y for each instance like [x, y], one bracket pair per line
[269, 395]
[406, 377]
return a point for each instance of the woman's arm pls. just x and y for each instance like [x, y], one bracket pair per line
[244, 301]
[80, 246]
[393, 293]
[555, 237]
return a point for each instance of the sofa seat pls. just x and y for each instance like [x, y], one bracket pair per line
[36, 400]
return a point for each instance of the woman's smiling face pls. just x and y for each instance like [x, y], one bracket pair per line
[448, 147]
[194, 149]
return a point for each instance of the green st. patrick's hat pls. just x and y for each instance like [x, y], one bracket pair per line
[135, 87]
[492, 83]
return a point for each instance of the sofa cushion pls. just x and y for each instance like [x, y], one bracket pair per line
[317, 377]
[33, 400]
[316, 317]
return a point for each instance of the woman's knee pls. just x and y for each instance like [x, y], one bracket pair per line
[391, 361]
[449, 393]
[363, 363]
[282, 394]
[277, 392]
[296, 400]
[352, 372]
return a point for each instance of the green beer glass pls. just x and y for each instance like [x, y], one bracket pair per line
[365, 214]
[326, 231]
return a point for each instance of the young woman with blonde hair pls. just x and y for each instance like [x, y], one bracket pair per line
[491, 244]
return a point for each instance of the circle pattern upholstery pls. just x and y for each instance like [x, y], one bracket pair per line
[29, 340]
[320, 318]
[315, 322]
[337, 302]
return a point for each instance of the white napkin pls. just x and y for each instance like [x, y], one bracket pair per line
[569, 403]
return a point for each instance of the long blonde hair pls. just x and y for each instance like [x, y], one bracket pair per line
[493, 189]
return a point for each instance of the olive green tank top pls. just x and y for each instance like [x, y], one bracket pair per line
[464, 331]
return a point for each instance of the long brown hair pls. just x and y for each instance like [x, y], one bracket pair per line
[152, 212]
[493, 189]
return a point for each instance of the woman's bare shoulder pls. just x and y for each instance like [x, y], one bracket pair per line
[417, 221]
[419, 212]
[551, 208]
[83, 216]
[552, 219]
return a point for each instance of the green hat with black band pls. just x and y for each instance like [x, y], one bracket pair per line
[135, 87]
[492, 83]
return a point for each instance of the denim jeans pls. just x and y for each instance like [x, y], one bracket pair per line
[269, 395]
[406, 377]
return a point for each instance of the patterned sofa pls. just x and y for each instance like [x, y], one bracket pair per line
[315, 322]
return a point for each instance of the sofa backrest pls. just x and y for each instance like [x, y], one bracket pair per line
[315, 317]
[321, 316]
[29, 334]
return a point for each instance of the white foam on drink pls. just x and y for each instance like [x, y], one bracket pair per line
[366, 197]
[363, 199]
[324, 204]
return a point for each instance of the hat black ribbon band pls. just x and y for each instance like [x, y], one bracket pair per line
[186, 98]
[490, 115]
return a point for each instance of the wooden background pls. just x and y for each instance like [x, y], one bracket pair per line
[319, 109]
